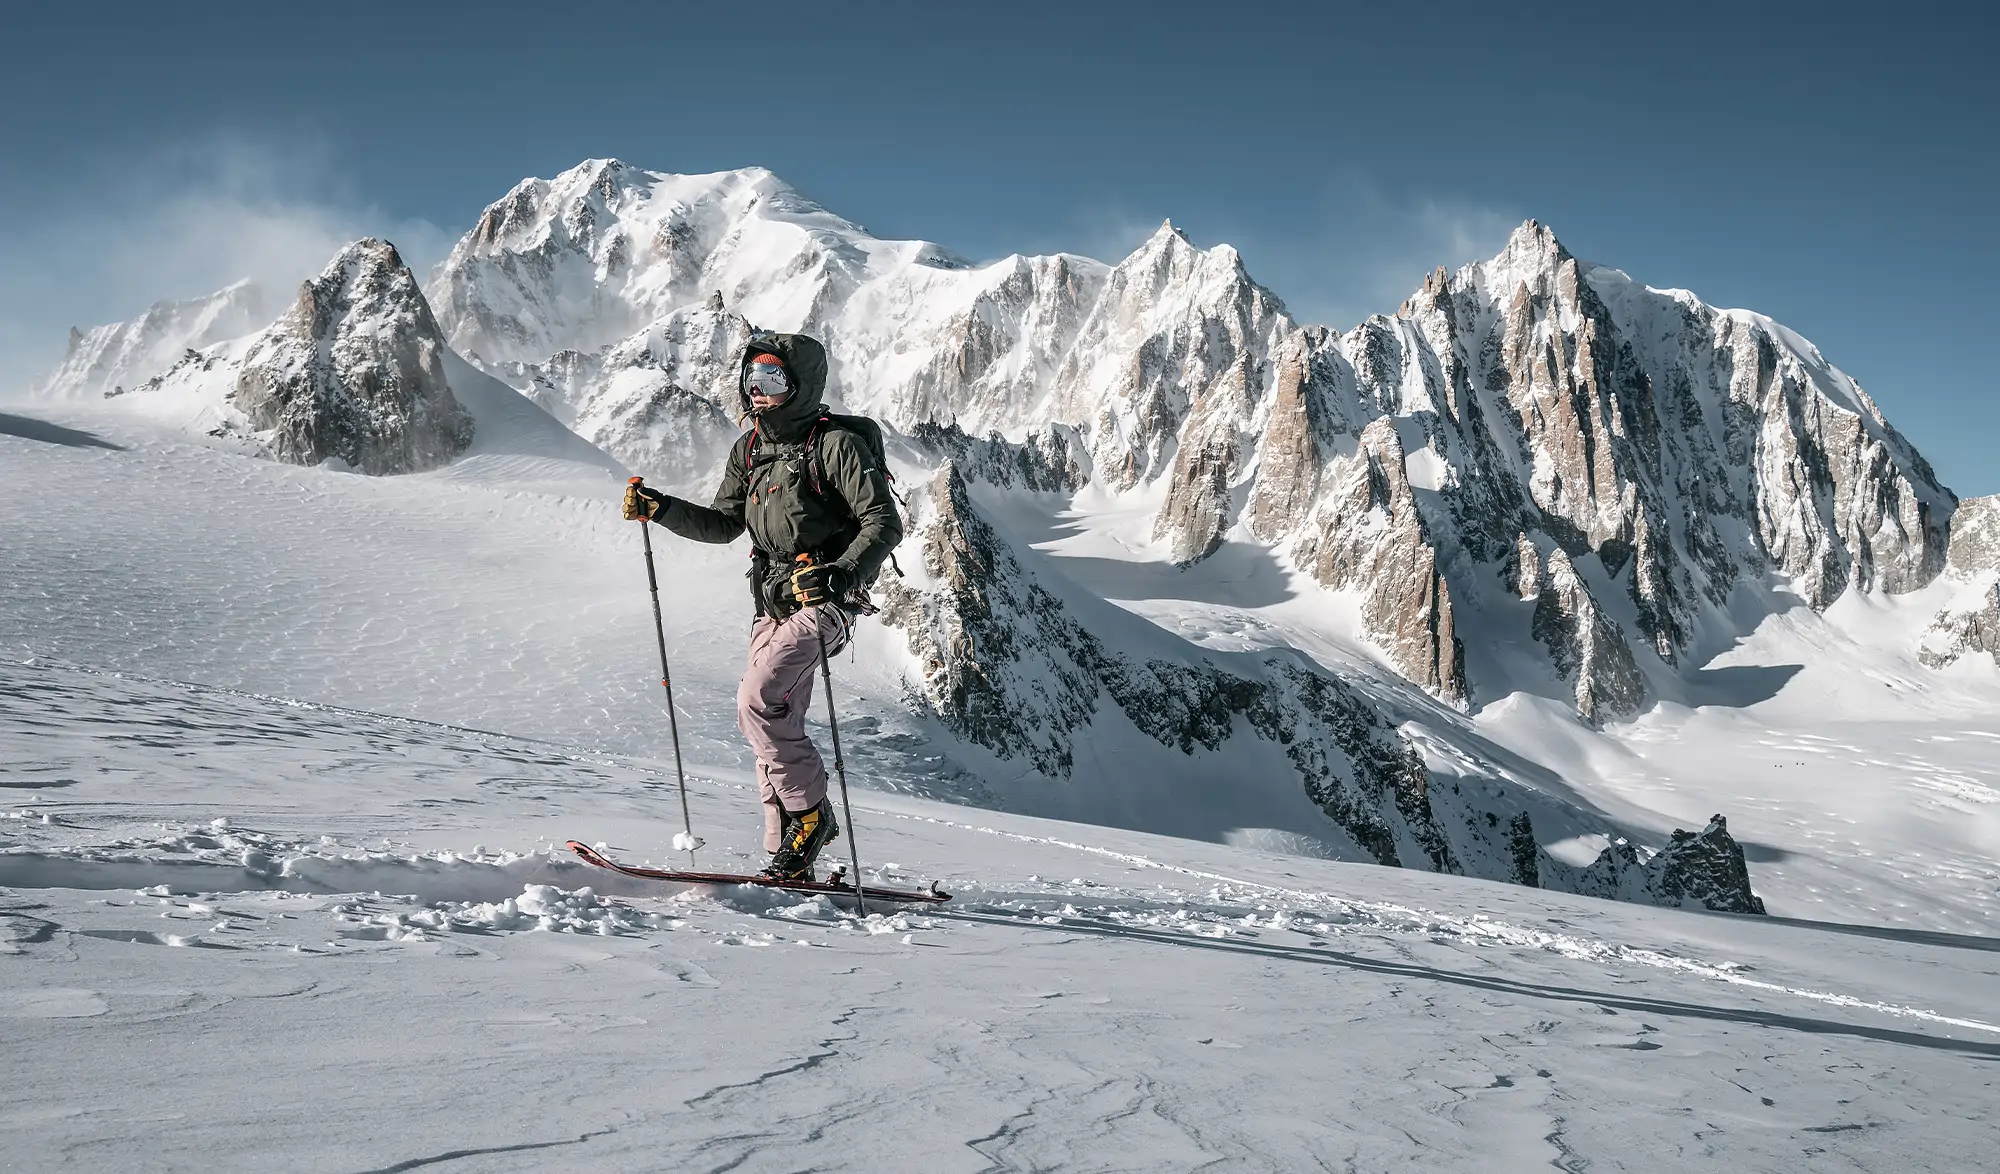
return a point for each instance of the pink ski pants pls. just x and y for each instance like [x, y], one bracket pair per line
[771, 706]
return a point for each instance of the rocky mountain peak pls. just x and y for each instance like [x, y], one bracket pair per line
[1170, 254]
[1531, 258]
[355, 371]
[366, 277]
[1521, 406]
[1532, 243]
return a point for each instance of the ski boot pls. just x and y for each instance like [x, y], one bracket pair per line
[806, 832]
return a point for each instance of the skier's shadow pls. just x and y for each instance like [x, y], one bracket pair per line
[1327, 957]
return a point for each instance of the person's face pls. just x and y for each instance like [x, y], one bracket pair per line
[767, 384]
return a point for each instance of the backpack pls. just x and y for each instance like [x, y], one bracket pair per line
[870, 433]
[868, 430]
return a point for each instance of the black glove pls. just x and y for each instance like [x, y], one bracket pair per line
[641, 502]
[820, 582]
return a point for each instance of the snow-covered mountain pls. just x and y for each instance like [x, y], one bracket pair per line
[1534, 441]
[110, 360]
[355, 372]
[1019, 662]
[1538, 478]
[1637, 464]
[574, 289]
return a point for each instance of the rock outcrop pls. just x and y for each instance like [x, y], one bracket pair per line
[1969, 623]
[1975, 535]
[1370, 537]
[1585, 645]
[1051, 459]
[1695, 870]
[1288, 461]
[355, 371]
[1006, 664]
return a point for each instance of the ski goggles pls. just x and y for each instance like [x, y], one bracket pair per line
[767, 380]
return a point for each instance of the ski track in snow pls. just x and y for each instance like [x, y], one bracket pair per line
[514, 891]
[162, 868]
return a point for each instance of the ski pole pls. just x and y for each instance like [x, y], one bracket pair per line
[839, 766]
[667, 677]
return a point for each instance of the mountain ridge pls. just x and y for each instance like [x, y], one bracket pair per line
[1535, 400]
[1535, 477]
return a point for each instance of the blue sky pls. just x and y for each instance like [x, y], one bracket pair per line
[1833, 166]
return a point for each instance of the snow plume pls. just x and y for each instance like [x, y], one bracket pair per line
[1367, 248]
[183, 221]
[1360, 252]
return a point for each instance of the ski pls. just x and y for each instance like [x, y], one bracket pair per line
[832, 887]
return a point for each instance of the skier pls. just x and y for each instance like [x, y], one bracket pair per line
[813, 490]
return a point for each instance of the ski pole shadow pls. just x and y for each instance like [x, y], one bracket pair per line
[1340, 958]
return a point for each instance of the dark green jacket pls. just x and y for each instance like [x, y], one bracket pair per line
[850, 521]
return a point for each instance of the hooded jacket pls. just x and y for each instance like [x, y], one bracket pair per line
[849, 519]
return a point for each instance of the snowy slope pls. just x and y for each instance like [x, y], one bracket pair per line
[310, 919]
[289, 750]
[466, 596]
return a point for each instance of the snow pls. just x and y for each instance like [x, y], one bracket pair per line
[1426, 469]
[108, 360]
[288, 755]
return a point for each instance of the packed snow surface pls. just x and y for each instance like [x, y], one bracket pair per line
[287, 756]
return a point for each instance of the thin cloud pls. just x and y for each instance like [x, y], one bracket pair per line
[182, 221]
[1369, 248]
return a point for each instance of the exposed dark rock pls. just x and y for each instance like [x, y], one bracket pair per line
[1695, 870]
[1372, 537]
[1051, 459]
[1585, 645]
[1704, 869]
[355, 371]
[1524, 851]
[1975, 535]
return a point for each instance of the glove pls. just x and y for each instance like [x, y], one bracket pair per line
[643, 503]
[820, 582]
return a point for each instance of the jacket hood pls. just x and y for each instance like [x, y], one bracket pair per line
[805, 362]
